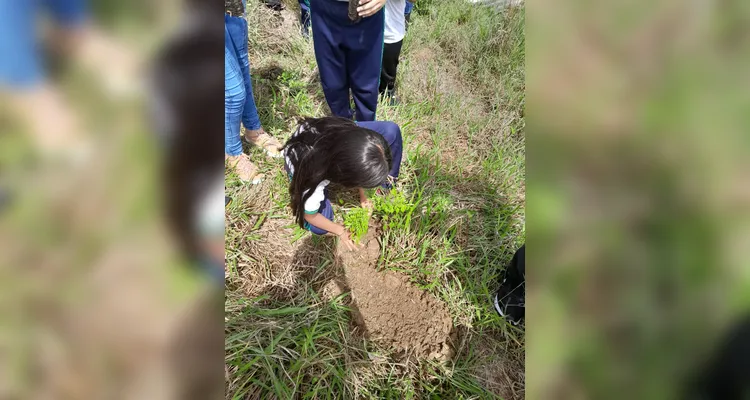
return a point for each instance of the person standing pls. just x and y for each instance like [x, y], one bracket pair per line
[395, 30]
[239, 105]
[348, 50]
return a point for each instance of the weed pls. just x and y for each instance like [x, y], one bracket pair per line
[394, 210]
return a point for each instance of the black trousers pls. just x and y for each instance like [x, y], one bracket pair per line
[391, 53]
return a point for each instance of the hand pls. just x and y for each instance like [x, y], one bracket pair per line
[347, 241]
[367, 204]
[369, 7]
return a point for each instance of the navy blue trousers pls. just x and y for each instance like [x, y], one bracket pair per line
[349, 56]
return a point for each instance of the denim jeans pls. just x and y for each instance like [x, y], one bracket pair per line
[21, 63]
[239, 105]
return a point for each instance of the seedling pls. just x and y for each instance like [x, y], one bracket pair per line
[357, 221]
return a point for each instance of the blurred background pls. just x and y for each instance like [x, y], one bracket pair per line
[638, 199]
[638, 194]
[99, 297]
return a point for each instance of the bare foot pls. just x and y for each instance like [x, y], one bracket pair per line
[245, 169]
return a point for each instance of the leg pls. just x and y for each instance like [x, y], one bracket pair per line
[327, 211]
[234, 101]
[250, 117]
[237, 31]
[391, 52]
[363, 62]
[329, 54]
[392, 134]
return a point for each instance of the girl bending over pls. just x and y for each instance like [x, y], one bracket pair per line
[331, 149]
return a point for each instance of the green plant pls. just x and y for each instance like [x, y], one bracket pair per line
[357, 221]
[394, 209]
[292, 81]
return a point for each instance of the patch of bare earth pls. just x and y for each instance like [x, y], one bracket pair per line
[274, 30]
[391, 311]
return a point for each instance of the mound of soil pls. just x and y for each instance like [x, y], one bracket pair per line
[391, 311]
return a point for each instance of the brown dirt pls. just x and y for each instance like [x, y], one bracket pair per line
[333, 289]
[391, 311]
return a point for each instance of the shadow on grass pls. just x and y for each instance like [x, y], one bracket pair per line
[285, 95]
[316, 262]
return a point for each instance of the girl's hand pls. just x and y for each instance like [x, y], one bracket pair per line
[369, 7]
[346, 239]
[367, 204]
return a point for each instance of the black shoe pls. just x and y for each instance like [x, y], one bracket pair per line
[509, 302]
[510, 299]
[227, 201]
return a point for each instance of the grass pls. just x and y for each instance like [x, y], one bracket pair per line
[452, 225]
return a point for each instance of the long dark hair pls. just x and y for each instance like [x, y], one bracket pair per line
[187, 84]
[338, 150]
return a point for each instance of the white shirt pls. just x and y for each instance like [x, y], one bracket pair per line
[395, 21]
[211, 209]
[312, 205]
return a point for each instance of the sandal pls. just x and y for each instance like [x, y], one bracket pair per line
[245, 169]
[265, 141]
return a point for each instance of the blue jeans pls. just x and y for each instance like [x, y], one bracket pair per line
[239, 105]
[21, 63]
